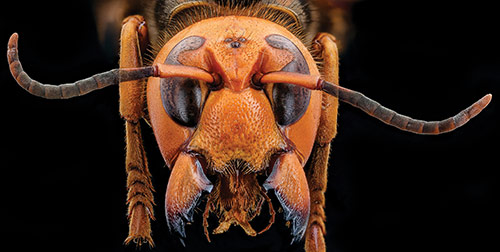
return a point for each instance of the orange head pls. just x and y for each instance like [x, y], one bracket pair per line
[234, 127]
[231, 118]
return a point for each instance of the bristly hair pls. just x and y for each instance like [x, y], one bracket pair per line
[173, 16]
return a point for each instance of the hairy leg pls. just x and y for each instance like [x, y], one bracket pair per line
[140, 190]
[326, 49]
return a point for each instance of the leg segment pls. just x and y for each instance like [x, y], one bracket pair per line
[317, 180]
[134, 33]
[140, 190]
[317, 172]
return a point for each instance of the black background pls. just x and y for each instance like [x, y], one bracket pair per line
[63, 178]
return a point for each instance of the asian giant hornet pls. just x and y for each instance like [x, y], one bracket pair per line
[231, 102]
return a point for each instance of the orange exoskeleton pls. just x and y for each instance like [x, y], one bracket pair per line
[233, 94]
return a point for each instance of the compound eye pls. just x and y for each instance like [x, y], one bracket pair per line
[182, 99]
[289, 101]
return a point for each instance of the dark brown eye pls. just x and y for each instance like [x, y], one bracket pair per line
[181, 99]
[289, 101]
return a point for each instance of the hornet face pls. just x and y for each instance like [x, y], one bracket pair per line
[235, 129]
